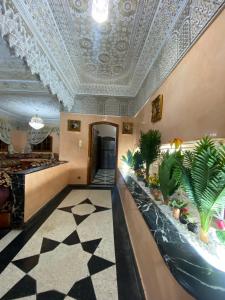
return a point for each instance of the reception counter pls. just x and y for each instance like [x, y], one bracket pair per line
[169, 266]
[34, 188]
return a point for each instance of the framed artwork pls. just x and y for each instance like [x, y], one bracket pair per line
[157, 107]
[127, 128]
[74, 125]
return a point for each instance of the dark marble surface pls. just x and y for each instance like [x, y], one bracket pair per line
[18, 191]
[43, 167]
[198, 277]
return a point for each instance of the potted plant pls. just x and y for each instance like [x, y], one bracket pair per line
[5, 184]
[149, 148]
[154, 186]
[184, 213]
[138, 165]
[128, 159]
[203, 179]
[169, 174]
[177, 205]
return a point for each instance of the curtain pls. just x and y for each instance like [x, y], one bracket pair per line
[35, 137]
[5, 134]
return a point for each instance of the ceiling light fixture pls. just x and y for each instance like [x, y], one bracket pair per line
[36, 122]
[100, 10]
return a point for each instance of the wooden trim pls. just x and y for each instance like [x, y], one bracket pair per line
[90, 144]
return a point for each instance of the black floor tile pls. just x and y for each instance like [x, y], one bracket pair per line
[25, 287]
[91, 246]
[79, 219]
[72, 239]
[26, 264]
[83, 290]
[50, 295]
[97, 264]
[48, 245]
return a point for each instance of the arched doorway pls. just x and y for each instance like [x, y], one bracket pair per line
[103, 153]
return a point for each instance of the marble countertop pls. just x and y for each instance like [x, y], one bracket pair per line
[194, 273]
[40, 168]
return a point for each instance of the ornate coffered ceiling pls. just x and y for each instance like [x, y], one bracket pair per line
[75, 56]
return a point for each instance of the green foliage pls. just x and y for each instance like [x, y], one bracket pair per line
[221, 236]
[150, 147]
[137, 161]
[176, 203]
[169, 173]
[203, 179]
[128, 158]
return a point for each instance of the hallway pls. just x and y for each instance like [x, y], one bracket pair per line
[71, 256]
[104, 177]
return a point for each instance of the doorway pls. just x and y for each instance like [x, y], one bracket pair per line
[103, 153]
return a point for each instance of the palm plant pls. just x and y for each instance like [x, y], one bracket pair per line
[137, 161]
[128, 158]
[203, 179]
[168, 174]
[150, 148]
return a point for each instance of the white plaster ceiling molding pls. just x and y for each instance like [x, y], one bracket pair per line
[22, 39]
[86, 104]
[75, 55]
[22, 108]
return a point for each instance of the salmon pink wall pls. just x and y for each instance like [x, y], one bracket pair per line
[194, 93]
[19, 139]
[78, 156]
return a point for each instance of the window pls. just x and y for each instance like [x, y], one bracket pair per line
[45, 146]
[3, 147]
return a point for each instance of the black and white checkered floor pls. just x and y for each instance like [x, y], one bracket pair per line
[71, 256]
[104, 177]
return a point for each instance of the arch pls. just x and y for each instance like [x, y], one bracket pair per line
[90, 140]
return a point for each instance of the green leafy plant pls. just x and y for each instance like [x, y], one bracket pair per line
[169, 174]
[203, 179]
[128, 158]
[221, 236]
[150, 148]
[176, 203]
[137, 161]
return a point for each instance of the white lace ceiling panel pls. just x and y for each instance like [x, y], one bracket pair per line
[77, 56]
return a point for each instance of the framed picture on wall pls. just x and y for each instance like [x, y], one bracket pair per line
[127, 128]
[74, 125]
[157, 107]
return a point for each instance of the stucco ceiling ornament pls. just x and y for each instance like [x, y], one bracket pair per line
[25, 45]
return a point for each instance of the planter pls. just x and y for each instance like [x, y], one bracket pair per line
[176, 213]
[204, 236]
[156, 193]
[193, 227]
[183, 219]
[4, 195]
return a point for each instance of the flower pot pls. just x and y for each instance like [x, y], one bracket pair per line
[176, 213]
[204, 236]
[193, 227]
[183, 219]
[156, 193]
[4, 195]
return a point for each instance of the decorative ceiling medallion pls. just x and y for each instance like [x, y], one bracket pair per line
[117, 69]
[127, 8]
[79, 5]
[86, 43]
[122, 46]
[104, 58]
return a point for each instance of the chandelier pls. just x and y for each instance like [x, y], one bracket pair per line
[36, 122]
[100, 10]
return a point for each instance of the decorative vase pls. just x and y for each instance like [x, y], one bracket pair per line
[204, 236]
[156, 193]
[193, 227]
[176, 213]
[4, 195]
[183, 219]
